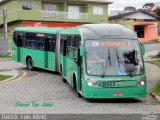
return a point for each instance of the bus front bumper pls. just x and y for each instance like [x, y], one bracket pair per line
[124, 92]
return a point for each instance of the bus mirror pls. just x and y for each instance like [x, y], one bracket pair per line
[142, 48]
[82, 50]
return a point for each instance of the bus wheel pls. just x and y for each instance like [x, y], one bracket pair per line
[75, 86]
[64, 80]
[78, 94]
[30, 63]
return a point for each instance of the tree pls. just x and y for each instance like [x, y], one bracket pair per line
[147, 5]
[129, 8]
[158, 11]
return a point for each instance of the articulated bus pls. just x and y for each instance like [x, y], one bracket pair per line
[97, 60]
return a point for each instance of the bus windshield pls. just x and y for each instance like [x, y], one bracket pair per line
[113, 57]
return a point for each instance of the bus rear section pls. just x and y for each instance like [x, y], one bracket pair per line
[112, 63]
[35, 47]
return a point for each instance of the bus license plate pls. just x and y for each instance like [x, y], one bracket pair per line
[107, 84]
[118, 94]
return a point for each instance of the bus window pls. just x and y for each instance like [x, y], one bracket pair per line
[40, 43]
[62, 44]
[77, 41]
[15, 38]
[68, 45]
[76, 46]
[50, 43]
[19, 38]
[73, 42]
[63, 38]
[53, 43]
[30, 38]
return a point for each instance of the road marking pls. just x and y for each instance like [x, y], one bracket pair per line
[21, 76]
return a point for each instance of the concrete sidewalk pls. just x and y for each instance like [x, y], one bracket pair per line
[3, 59]
[11, 73]
[150, 55]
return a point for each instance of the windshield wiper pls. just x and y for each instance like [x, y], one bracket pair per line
[117, 58]
[109, 59]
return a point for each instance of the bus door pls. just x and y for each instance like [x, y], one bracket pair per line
[18, 49]
[50, 44]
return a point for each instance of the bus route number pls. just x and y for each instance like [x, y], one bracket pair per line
[95, 44]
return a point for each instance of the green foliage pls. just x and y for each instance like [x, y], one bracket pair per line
[129, 8]
[5, 56]
[4, 77]
[157, 61]
[157, 89]
[155, 40]
[158, 11]
[148, 5]
[4, 70]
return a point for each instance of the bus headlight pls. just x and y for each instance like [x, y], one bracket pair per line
[91, 84]
[141, 83]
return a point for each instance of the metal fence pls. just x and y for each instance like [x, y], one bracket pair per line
[64, 15]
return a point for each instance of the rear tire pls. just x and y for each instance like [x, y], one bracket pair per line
[29, 63]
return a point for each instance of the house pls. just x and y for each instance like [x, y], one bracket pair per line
[142, 22]
[53, 13]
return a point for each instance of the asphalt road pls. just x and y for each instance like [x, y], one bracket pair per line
[44, 86]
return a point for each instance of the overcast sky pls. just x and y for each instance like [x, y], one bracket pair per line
[121, 4]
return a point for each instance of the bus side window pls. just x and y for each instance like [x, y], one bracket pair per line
[53, 43]
[72, 47]
[19, 39]
[77, 41]
[50, 43]
[63, 38]
[68, 44]
[40, 43]
[15, 38]
[30, 39]
[76, 44]
[24, 42]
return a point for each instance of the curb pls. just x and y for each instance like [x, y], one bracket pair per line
[146, 43]
[155, 96]
[152, 93]
[4, 59]
[148, 61]
[20, 73]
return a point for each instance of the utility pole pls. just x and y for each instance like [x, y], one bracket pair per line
[5, 22]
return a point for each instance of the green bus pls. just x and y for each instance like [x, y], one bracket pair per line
[97, 60]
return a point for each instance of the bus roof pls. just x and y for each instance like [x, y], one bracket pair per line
[99, 31]
[38, 29]
[89, 31]
[73, 30]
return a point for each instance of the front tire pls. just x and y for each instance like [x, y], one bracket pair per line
[30, 63]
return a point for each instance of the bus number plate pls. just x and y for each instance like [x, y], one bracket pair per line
[106, 83]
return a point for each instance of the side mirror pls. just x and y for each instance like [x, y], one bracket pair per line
[142, 48]
[82, 50]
